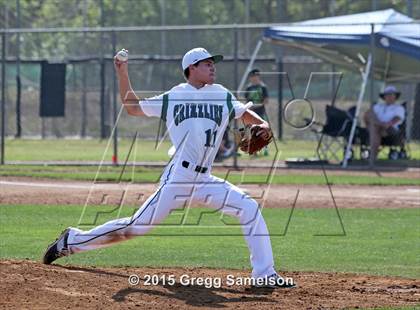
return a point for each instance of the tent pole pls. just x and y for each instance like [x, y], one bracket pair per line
[243, 80]
[280, 70]
[333, 83]
[365, 77]
[372, 53]
[249, 67]
[235, 70]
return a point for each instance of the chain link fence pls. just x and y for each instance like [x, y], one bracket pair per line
[155, 66]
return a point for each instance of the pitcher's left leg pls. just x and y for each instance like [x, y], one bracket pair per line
[230, 200]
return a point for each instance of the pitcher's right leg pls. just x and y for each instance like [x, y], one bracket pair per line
[151, 213]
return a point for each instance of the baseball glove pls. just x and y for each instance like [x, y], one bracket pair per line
[252, 139]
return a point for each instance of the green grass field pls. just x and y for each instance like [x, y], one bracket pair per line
[95, 150]
[144, 150]
[377, 241]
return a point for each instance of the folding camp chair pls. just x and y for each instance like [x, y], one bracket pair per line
[334, 134]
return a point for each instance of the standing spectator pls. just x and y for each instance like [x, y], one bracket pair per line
[226, 149]
[257, 92]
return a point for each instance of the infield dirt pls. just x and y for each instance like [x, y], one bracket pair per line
[15, 191]
[32, 285]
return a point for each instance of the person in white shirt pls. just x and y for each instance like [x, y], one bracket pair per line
[383, 120]
[196, 115]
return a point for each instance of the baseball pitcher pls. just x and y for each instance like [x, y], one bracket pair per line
[196, 115]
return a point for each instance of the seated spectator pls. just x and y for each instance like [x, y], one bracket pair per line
[383, 120]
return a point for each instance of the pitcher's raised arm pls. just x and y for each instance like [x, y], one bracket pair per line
[128, 97]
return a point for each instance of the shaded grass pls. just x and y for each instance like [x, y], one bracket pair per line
[151, 175]
[144, 150]
[81, 150]
[377, 241]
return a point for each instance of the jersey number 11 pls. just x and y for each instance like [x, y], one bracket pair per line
[210, 138]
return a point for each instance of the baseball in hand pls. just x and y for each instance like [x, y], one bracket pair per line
[122, 55]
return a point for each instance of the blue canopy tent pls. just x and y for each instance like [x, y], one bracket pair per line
[383, 44]
[346, 41]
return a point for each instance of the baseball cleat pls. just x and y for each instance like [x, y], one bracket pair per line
[273, 281]
[57, 249]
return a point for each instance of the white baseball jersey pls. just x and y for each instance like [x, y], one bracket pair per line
[196, 119]
[386, 112]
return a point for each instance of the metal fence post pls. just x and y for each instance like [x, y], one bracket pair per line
[18, 80]
[114, 103]
[84, 81]
[3, 95]
[102, 75]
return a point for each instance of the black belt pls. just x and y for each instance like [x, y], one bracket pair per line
[199, 169]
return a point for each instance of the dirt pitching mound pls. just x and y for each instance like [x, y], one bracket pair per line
[32, 285]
